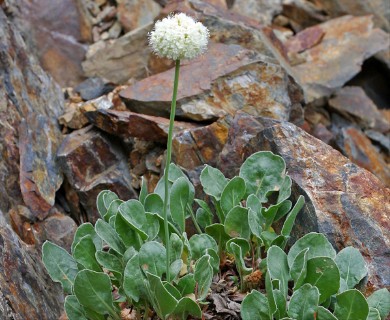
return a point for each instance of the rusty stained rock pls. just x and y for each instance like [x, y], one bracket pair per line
[133, 14]
[226, 79]
[92, 163]
[126, 124]
[354, 104]
[346, 203]
[198, 146]
[327, 66]
[26, 290]
[56, 31]
[358, 148]
[40, 176]
[26, 89]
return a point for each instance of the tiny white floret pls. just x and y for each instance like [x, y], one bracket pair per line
[178, 37]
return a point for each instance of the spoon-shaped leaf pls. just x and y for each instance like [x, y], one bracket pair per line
[352, 266]
[351, 305]
[255, 306]
[304, 302]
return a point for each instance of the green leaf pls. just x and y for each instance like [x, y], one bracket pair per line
[380, 300]
[112, 209]
[176, 247]
[323, 273]
[133, 279]
[152, 258]
[290, 220]
[129, 236]
[178, 202]
[241, 242]
[263, 172]
[199, 243]
[163, 302]
[351, 265]
[186, 285]
[74, 309]
[281, 304]
[134, 213]
[144, 191]
[84, 253]
[217, 231]
[213, 181]
[255, 306]
[373, 314]
[324, 314]
[282, 209]
[270, 295]
[109, 197]
[60, 265]
[285, 190]
[298, 269]
[214, 259]
[93, 290]
[186, 307]
[277, 267]
[255, 222]
[109, 236]
[303, 303]
[351, 305]
[206, 216]
[110, 262]
[84, 230]
[232, 194]
[152, 226]
[154, 204]
[235, 249]
[318, 246]
[175, 268]
[236, 223]
[203, 276]
[101, 207]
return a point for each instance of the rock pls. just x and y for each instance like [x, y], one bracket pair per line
[381, 139]
[134, 14]
[124, 58]
[93, 88]
[56, 31]
[262, 11]
[26, 90]
[195, 147]
[355, 145]
[353, 104]
[226, 79]
[346, 203]
[126, 124]
[92, 163]
[327, 66]
[26, 291]
[40, 176]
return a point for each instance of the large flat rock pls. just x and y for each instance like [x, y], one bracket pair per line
[345, 202]
[226, 79]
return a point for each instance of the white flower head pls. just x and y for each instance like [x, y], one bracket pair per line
[179, 37]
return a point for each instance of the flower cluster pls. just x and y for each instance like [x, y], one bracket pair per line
[179, 37]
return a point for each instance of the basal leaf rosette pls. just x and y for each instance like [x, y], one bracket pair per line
[179, 37]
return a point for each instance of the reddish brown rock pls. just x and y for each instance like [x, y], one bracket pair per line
[40, 176]
[92, 163]
[226, 79]
[358, 148]
[327, 66]
[56, 31]
[26, 89]
[353, 104]
[345, 202]
[126, 124]
[26, 290]
[195, 147]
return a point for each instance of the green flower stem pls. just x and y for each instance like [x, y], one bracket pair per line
[197, 227]
[168, 162]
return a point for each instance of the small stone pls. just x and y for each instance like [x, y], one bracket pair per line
[93, 88]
